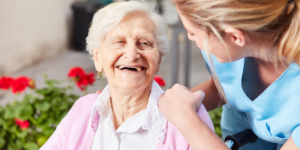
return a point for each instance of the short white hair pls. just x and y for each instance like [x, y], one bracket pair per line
[109, 17]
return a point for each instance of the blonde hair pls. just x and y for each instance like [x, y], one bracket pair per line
[109, 17]
[268, 17]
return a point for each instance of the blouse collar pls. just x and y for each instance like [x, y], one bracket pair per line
[153, 121]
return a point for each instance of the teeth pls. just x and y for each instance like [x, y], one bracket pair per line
[121, 67]
[137, 68]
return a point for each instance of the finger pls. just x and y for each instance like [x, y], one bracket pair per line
[98, 92]
[199, 95]
[181, 86]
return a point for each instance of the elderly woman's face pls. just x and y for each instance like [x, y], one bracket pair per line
[129, 54]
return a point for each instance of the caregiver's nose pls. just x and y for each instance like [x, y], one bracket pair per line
[131, 53]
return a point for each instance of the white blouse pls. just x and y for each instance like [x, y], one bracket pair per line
[141, 131]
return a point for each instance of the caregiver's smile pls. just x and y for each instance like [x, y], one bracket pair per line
[129, 54]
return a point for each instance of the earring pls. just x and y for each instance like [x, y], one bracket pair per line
[156, 72]
[99, 75]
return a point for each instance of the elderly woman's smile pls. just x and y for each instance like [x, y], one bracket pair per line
[129, 54]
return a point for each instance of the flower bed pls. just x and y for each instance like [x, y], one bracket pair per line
[27, 124]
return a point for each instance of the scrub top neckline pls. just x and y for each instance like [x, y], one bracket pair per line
[266, 90]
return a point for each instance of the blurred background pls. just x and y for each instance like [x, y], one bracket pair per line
[39, 37]
[47, 37]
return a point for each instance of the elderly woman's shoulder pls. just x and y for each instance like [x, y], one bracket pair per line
[86, 102]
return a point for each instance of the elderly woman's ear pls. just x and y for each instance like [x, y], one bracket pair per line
[158, 64]
[97, 59]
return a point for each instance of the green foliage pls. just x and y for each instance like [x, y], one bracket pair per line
[43, 108]
[215, 116]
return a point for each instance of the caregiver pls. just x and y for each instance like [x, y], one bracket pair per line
[252, 48]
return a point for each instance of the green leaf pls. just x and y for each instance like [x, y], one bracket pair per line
[25, 112]
[33, 121]
[22, 134]
[30, 146]
[13, 129]
[51, 83]
[2, 142]
[63, 106]
[41, 140]
[49, 132]
[43, 106]
[16, 145]
[9, 113]
[42, 117]
[2, 122]
[19, 144]
[2, 134]
[215, 116]
[2, 109]
[29, 98]
[44, 91]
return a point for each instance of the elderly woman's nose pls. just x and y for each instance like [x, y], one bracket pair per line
[131, 53]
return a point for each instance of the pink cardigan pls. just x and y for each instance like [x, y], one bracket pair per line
[75, 133]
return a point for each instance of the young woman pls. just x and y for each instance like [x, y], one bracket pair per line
[252, 48]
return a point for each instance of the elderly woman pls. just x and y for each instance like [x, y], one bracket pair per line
[127, 41]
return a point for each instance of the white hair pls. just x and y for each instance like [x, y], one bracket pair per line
[109, 17]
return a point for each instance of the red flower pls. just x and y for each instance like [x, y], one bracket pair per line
[5, 82]
[82, 80]
[76, 72]
[90, 77]
[24, 124]
[160, 80]
[31, 84]
[20, 84]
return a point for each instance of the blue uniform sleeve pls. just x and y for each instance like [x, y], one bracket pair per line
[296, 136]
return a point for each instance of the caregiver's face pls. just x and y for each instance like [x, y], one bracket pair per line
[129, 53]
[216, 46]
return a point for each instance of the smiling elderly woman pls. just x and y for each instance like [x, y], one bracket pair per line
[127, 41]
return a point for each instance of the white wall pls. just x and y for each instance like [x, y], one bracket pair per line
[31, 31]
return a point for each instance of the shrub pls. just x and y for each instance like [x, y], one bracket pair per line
[27, 124]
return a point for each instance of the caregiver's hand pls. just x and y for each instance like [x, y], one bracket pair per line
[179, 100]
[179, 106]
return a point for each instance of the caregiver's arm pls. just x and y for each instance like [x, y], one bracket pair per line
[198, 134]
[290, 145]
[293, 143]
[212, 98]
[179, 106]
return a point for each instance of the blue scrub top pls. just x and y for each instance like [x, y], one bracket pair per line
[274, 115]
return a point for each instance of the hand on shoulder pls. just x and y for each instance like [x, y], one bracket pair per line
[178, 101]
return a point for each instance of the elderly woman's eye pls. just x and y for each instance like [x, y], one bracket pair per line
[144, 43]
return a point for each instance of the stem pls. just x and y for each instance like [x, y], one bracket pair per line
[16, 97]
[8, 95]
[85, 91]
